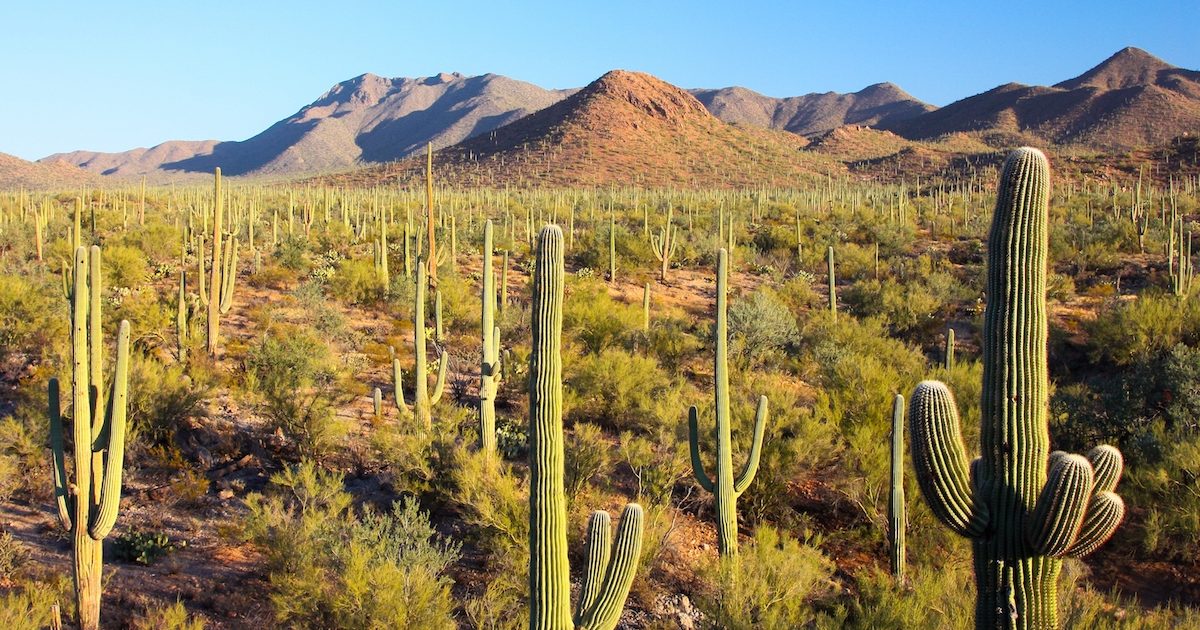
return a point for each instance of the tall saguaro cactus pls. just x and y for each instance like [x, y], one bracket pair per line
[664, 245]
[214, 283]
[88, 507]
[610, 567]
[1023, 507]
[489, 369]
[423, 399]
[897, 519]
[725, 488]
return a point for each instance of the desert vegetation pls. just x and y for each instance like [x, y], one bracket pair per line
[247, 404]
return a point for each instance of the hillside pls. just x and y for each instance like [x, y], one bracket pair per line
[365, 119]
[18, 173]
[1131, 100]
[813, 114]
[624, 128]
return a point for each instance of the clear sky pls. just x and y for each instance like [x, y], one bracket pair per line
[112, 75]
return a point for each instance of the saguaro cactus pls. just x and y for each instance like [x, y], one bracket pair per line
[725, 489]
[423, 399]
[897, 521]
[610, 568]
[489, 368]
[1024, 507]
[214, 307]
[832, 286]
[664, 245]
[948, 354]
[99, 437]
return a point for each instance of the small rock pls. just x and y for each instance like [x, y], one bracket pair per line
[225, 494]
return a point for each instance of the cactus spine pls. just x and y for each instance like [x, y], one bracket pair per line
[423, 400]
[489, 372]
[1024, 507]
[610, 567]
[725, 489]
[664, 245]
[99, 437]
[897, 520]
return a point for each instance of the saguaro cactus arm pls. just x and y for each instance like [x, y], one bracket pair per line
[602, 609]
[694, 447]
[1059, 511]
[940, 460]
[751, 468]
[112, 433]
[57, 452]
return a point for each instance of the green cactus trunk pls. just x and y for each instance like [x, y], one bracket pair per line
[646, 308]
[214, 306]
[948, 355]
[832, 286]
[181, 321]
[897, 519]
[612, 250]
[489, 372]
[611, 566]
[725, 489]
[1023, 507]
[99, 438]
[423, 400]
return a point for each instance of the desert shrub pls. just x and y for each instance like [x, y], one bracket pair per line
[32, 319]
[621, 391]
[159, 242]
[333, 567]
[275, 277]
[658, 462]
[773, 584]
[297, 378]
[1136, 331]
[672, 342]
[356, 282]
[585, 455]
[13, 556]
[143, 547]
[595, 319]
[150, 321]
[28, 603]
[1170, 490]
[163, 397]
[1083, 607]
[934, 597]
[905, 308]
[291, 253]
[172, 617]
[761, 324]
[124, 267]
[495, 504]
[21, 450]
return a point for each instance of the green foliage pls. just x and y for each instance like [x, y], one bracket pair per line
[143, 547]
[172, 617]
[905, 308]
[761, 324]
[586, 454]
[125, 267]
[356, 282]
[595, 319]
[1135, 331]
[932, 597]
[32, 320]
[13, 555]
[163, 397]
[331, 567]
[27, 603]
[773, 583]
[622, 391]
[295, 374]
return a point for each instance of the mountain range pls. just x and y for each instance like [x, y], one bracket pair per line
[1130, 100]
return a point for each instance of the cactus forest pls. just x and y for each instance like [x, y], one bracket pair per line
[471, 352]
[432, 406]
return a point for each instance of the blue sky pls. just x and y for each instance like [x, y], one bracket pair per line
[115, 75]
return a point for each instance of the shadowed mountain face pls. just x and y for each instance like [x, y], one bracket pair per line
[813, 114]
[624, 128]
[1132, 99]
[365, 119]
